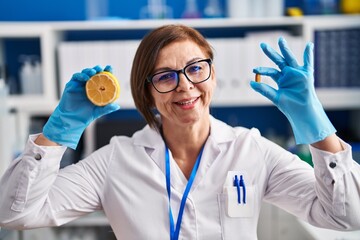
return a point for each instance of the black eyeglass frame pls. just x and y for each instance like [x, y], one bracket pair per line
[208, 60]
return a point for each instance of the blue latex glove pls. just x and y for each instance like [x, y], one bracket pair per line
[75, 112]
[295, 96]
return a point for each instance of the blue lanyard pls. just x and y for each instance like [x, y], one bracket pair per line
[174, 233]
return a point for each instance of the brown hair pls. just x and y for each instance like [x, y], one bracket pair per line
[145, 60]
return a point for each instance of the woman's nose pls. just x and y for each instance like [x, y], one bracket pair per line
[184, 83]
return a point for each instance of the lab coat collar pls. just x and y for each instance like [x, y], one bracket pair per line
[220, 133]
[150, 138]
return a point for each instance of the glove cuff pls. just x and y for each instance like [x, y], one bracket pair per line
[57, 129]
[313, 127]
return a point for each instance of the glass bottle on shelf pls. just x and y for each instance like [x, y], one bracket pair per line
[156, 9]
[213, 9]
[30, 74]
[191, 10]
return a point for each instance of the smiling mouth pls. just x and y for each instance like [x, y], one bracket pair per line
[188, 102]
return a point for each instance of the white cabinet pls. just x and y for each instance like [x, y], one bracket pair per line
[53, 35]
[68, 47]
[47, 38]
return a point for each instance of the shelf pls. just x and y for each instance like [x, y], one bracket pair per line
[31, 104]
[25, 28]
[331, 99]
[53, 34]
[22, 30]
[339, 98]
[320, 21]
[198, 23]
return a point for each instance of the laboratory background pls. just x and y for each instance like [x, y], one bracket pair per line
[42, 43]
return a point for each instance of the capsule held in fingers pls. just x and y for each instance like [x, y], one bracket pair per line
[257, 77]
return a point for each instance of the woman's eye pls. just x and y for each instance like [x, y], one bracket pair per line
[166, 76]
[195, 68]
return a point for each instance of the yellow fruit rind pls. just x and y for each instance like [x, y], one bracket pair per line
[102, 91]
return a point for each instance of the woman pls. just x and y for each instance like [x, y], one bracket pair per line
[186, 175]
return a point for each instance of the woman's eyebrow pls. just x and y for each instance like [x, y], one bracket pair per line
[162, 69]
[170, 69]
[193, 60]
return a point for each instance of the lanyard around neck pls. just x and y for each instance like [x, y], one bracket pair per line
[174, 233]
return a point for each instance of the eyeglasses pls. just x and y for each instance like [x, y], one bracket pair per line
[167, 81]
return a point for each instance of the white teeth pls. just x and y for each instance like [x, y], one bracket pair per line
[187, 102]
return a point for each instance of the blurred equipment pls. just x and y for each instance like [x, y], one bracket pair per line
[191, 10]
[239, 8]
[96, 9]
[350, 6]
[156, 9]
[337, 58]
[273, 8]
[30, 74]
[255, 9]
[213, 9]
[294, 12]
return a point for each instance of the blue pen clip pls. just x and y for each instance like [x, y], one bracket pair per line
[239, 183]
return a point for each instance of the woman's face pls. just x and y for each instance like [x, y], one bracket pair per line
[188, 103]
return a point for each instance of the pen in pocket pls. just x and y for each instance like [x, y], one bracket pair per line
[239, 183]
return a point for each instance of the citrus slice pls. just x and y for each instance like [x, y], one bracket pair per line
[102, 88]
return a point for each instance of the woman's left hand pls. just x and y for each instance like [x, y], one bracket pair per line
[295, 96]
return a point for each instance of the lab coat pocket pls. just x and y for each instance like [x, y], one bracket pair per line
[239, 204]
[239, 197]
[237, 219]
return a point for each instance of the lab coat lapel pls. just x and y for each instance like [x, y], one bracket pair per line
[154, 145]
[220, 133]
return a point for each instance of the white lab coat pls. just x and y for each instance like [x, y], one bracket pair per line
[126, 179]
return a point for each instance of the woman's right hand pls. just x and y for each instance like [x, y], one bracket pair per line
[296, 96]
[75, 112]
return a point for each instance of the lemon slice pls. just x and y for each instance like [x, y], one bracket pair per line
[102, 88]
